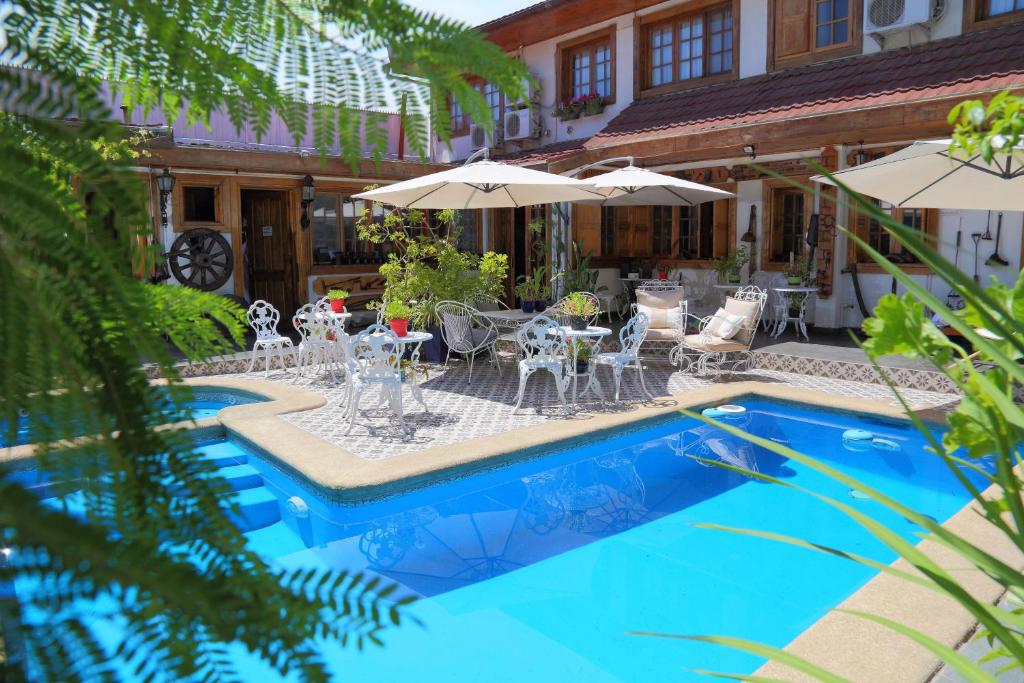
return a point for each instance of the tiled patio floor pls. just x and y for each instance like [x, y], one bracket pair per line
[459, 411]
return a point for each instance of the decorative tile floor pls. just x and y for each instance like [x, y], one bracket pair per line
[459, 411]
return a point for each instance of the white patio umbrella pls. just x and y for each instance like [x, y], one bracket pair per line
[482, 185]
[927, 176]
[633, 186]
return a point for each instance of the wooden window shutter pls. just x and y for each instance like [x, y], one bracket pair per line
[587, 228]
[792, 27]
[721, 214]
[640, 234]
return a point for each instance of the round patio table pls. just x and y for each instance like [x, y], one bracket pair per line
[798, 323]
[414, 339]
[592, 336]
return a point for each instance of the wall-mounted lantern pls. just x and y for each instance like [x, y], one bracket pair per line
[165, 184]
[308, 195]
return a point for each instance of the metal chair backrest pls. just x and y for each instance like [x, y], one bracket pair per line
[633, 333]
[263, 319]
[563, 319]
[311, 325]
[378, 353]
[457, 324]
[541, 339]
[660, 285]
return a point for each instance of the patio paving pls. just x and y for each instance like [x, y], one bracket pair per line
[459, 411]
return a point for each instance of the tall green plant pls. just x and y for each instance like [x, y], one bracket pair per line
[155, 550]
[988, 421]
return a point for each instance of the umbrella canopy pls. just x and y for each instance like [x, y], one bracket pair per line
[927, 175]
[482, 185]
[632, 186]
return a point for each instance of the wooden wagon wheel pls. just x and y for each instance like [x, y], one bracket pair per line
[201, 258]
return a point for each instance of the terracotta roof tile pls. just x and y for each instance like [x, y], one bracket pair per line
[544, 153]
[975, 62]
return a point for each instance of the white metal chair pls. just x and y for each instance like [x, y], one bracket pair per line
[263, 319]
[666, 307]
[376, 359]
[467, 333]
[543, 347]
[725, 336]
[631, 336]
[316, 347]
[611, 293]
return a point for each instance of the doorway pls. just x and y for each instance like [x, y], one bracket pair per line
[269, 249]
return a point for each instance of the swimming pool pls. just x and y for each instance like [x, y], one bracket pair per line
[203, 402]
[537, 570]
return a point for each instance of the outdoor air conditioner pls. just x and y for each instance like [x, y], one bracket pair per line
[479, 137]
[886, 16]
[519, 125]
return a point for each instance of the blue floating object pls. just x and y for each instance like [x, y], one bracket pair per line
[885, 445]
[713, 413]
[723, 411]
[857, 435]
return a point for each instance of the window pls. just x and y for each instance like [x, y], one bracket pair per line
[469, 226]
[591, 68]
[199, 204]
[696, 232]
[690, 47]
[869, 229]
[494, 100]
[325, 228]
[805, 31]
[661, 230]
[832, 22]
[787, 223]
[586, 65]
[994, 8]
[607, 230]
[459, 119]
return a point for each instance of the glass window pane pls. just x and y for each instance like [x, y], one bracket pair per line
[996, 7]
[840, 9]
[200, 204]
[839, 32]
[824, 12]
[661, 56]
[720, 42]
[824, 36]
[324, 229]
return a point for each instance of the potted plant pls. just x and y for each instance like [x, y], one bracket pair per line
[397, 315]
[579, 309]
[728, 267]
[540, 304]
[591, 103]
[798, 272]
[570, 108]
[524, 290]
[337, 298]
[663, 267]
[583, 356]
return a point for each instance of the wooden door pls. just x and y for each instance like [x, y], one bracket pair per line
[270, 249]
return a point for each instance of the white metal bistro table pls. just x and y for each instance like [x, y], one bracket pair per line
[511, 316]
[592, 335]
[414, 339]
[790, 292]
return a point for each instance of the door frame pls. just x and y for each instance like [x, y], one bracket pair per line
[290, 191]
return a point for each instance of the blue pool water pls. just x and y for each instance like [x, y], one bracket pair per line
[536, 571]
[203, 403]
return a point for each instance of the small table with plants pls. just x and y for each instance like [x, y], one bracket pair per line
[792, 298]
[411, 365]
[583, 346]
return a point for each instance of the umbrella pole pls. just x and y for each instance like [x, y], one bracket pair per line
[977, 237]
[995, 259]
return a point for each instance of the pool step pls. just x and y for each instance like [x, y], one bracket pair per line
[225, 454]
[258, 508]
[241, 477]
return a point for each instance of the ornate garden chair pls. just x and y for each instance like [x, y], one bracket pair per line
[543, 348]
[263, 319]
[631, 336]
[377, 359]
[665, 305]
[467, 333]
[725, 336]
[317, 345]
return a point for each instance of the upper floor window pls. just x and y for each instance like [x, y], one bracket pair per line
[832, 23]
[586, 65]
[994, 8]
[805, 29]
[690, 47]
[494, 100]
[458, 117]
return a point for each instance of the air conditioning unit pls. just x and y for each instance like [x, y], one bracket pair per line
[887, 16]
[520, 125]
[479, 137]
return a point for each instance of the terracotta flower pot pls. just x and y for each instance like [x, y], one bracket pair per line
[400, 326]
[662, 275]
[338, 305]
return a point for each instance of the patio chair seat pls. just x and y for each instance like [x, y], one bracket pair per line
[713, 344]
[663, 334]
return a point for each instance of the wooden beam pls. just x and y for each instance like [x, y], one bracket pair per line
[547, 20]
